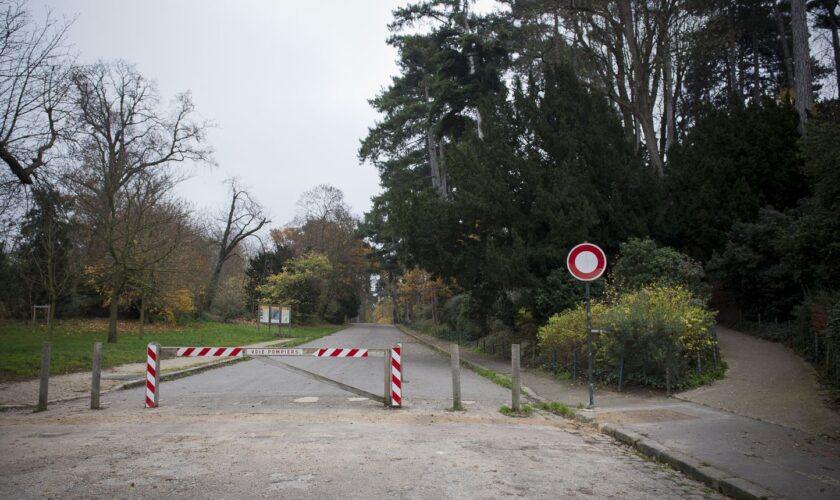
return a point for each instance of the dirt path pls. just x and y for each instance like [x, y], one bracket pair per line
[767, 381]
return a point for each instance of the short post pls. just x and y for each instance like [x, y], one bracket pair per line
[621, 374]
[514, 360]
[45, 376]
[668, 380]
[456, 377]
[589, 349]
[153, 375]
[387, 378]
[94, 377]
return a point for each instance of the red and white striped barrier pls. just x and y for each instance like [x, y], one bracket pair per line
[207, 352]
[393, 386]
[341, 353]
[396, 376]
[152, 357]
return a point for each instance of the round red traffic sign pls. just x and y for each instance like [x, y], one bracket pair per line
[586, 262]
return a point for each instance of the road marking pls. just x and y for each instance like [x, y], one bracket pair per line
[355, 400]
[307, 399]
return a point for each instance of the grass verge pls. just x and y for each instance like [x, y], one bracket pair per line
[557, 409]
[492, 376]
[72, 343]
[524, 411]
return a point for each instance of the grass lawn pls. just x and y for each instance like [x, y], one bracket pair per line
[72, 342]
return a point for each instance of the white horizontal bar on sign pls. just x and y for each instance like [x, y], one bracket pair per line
[270, 351]
[307, 351]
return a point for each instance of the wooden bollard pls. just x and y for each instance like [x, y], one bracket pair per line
[514, 360]
[95, 376]
[456, 377]
[43, 391]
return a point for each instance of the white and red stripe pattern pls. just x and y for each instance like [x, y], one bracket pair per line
[152, 353]
[340, 353]
[208, 352]
[396, 375]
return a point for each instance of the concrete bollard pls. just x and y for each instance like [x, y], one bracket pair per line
[95, 376]
[514, 360]
[456, 377]
[43, 391]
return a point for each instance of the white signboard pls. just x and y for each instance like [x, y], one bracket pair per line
[275, 315]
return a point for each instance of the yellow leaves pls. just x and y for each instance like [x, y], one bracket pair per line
[567, 331]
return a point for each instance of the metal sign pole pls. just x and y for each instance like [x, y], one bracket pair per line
[589, 348]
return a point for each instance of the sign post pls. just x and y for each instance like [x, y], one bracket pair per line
[587, 262]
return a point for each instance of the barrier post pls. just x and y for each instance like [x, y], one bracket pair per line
[514, 360]
[152, 375]
[44, 388]
[396, 376]
[387, 377]
[456, 377]
[95, 376]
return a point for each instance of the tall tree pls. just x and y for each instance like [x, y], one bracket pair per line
[801, 61]
[827, 17]
[243, 219]
[47, 248]
[34, 87]
[123, 140]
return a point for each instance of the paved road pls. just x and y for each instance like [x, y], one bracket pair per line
[264, 381]
[237, 432]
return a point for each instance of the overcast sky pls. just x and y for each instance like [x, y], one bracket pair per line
[286, 82]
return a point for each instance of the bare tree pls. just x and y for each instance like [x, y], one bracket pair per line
[34, 87]
[124, 142]
[801, 61]
[243, 219]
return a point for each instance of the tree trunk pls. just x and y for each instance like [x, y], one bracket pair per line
[835, 44]
[801, 61]
[670, 112]
[213, 285]
[112, 317]
[142, 314]
[783, 39]
[51, 315]
[732, 59]
[641, 86]
[756, 90]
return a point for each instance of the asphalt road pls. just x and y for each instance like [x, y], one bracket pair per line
[427, 379]
[254, 430]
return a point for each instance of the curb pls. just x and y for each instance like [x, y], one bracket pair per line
[716, 479]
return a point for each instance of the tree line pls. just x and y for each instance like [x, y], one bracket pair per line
[509, 136]
[90, 222]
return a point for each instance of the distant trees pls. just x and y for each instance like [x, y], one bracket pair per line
[124, 143]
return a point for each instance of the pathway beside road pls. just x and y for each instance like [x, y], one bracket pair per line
[759, 457]
[24, 393]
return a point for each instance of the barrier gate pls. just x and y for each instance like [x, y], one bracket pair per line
[393, 365]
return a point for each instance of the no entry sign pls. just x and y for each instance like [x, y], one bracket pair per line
[586, 262]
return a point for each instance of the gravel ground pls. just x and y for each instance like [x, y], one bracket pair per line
[769, 382]
[333, 448]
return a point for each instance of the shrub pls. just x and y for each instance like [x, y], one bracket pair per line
[647, 329]
[643, 263]
[566, 332]
[654, 328]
